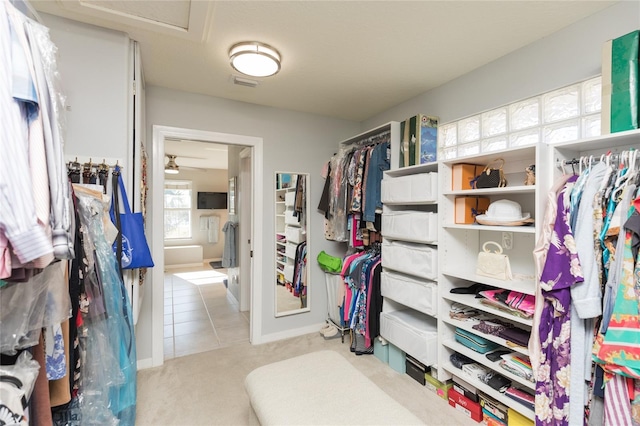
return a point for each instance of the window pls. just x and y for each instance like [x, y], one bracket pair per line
[565, 114]
[177, 209]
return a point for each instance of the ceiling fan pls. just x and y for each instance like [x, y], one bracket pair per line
[172, 167]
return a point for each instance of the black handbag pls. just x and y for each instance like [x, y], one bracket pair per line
[491, 177]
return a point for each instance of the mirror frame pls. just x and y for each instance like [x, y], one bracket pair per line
[279, 216]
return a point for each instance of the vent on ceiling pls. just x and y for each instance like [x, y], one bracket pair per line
[240, 81]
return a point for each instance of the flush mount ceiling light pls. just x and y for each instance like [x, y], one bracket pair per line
[171, 167]
[254, 58]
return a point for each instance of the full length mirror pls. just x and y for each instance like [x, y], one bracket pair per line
[292, 243]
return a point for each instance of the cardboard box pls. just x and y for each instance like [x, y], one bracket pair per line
[624, 82]
[497, 409]
[489, 419]
[462, 174]
[441, 389]
[381, 351]
[517, 419]
[416, 369]
[464, 388]
[466, 208]
[470, 408]
[397, 359]
[419, 140]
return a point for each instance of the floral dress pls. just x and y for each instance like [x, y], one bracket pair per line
[561, 270]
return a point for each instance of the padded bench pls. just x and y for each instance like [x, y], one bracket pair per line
[320, 388]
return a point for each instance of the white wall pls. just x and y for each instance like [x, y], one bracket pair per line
[211, 180]
[294, 142]
[570, 55]
[94, 65]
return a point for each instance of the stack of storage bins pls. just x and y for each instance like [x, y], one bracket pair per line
[410, 262]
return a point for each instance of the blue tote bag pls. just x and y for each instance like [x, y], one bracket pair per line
[131, 245]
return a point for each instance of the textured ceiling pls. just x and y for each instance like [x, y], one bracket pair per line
[345, 59]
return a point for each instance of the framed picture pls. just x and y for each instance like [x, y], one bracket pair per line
[232, 195]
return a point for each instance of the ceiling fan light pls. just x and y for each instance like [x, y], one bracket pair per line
[171, 168]
[254, 59]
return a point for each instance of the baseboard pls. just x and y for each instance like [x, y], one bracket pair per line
[184, 265]
[274, 337]
[145, 363]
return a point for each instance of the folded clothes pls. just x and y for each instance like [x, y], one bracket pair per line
[473, 289]
[459, 360]
[516, 335]
[521, 396]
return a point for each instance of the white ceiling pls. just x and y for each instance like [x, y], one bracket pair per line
[344, 59]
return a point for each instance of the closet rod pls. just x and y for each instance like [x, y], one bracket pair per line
[591, 159]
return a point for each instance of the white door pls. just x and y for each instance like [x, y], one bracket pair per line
[245, 246]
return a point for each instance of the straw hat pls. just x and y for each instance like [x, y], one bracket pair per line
[504, 213]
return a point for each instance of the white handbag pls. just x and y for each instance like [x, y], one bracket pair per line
[493, 264]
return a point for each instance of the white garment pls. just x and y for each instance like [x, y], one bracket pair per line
[213, 225]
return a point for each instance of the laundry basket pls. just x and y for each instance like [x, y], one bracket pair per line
[335, 306]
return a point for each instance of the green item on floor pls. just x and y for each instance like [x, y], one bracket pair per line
[329, 263]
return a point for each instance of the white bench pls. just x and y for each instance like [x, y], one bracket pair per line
[320, 388]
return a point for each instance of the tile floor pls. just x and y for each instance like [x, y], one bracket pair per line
[200, 317]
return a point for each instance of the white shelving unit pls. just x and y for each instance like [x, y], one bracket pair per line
[411, 293]
[285, 249]
[459, 246]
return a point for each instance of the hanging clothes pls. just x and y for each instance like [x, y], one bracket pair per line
[561, 271]
[230, 230]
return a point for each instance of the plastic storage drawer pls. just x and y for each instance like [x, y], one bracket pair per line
[413, 332]
[294, 234]
[420, 227]
[289, 199]
[419, 188]
[410, 258]
[290, 219]
[419, 295]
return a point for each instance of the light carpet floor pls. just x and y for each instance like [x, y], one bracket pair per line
[208, 388]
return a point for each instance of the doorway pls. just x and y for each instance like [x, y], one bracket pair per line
[236, 143]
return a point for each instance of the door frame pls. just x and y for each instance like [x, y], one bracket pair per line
[156, 220]
[246, 220]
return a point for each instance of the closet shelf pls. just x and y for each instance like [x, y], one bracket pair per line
[412, 203]
[508, 190]
[468, 326]
[476, 227]
[490, 391]
[482, 359]
[471, 301]
[411, 170]
[509, 155]
[523, 286]
[612, 140]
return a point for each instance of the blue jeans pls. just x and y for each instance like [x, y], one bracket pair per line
[378, 163]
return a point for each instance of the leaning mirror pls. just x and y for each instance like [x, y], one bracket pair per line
[291, 243]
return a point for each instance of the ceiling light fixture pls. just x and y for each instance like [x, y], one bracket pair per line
[171, 167]
[254, 58]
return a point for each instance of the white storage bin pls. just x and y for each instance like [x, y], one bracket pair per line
[289, 218]
[419, 295]
[294, 234]
[421, 227]
[410, 258]
[290, 199]
[418, 188]
[291, 250]
[288, 273]
[413, 332]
